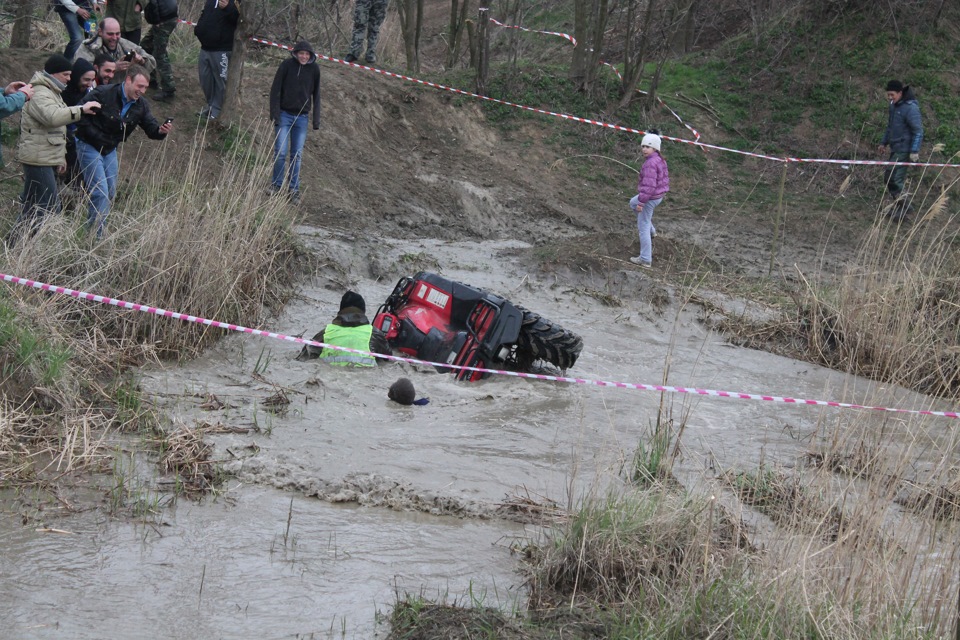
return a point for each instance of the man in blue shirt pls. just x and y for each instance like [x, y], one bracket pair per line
[123, 110]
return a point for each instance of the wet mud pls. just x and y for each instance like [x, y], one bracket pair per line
[383, 498]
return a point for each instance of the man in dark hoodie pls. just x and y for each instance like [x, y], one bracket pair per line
[214, 30]
[903, 136]
[350, 329]
[296, 87]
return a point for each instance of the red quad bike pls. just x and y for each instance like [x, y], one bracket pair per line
[433, 318]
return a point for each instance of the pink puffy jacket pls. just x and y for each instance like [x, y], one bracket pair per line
[654, 179]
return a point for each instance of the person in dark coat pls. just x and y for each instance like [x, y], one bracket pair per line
[351, 329]
[903, 136]
[82, 81]
[296, 87]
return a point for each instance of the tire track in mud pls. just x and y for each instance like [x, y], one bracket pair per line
[376, 490]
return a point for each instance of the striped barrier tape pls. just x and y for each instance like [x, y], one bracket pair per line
[663, 104]
[517, 374]
[606, 125]
[565, 36]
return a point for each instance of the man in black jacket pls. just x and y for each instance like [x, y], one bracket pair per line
[214, 30]
[162, 17]
[123, 109]
[296, 87]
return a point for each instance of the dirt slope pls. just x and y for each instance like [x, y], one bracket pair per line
[397, 159]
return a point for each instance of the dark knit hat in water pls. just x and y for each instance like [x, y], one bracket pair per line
[402, 392]
[353, 299]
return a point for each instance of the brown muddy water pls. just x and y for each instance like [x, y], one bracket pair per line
[384, 499]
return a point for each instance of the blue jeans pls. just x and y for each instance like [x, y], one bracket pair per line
[72, 22]
[100, 177]
[291, 134]
[645, 226]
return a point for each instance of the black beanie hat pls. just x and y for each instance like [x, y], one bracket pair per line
[57, 64]
[402, 391]
[353, 299]
[894, 85]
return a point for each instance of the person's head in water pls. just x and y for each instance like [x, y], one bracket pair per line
[353, 299]
[402, 391]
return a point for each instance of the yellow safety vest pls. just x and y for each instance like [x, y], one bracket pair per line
[351, 338]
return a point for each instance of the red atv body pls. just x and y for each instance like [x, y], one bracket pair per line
[440, 320]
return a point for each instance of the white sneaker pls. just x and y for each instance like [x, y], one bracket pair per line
[642, 263]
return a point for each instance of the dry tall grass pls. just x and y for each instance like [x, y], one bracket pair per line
[180, 237]
[895, 316]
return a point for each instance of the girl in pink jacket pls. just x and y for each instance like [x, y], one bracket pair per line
[653, 185]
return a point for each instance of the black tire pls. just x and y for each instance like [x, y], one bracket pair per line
[541, 339]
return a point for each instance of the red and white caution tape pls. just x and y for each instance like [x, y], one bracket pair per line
[565, 36]
[584, 381]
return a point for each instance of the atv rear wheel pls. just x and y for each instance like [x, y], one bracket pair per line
[541, 339]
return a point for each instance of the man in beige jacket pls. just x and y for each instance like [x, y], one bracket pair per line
[43, 143]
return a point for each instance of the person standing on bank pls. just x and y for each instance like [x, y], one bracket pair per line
[296, 86]
[162, 17]
[127, 13]
[122, 109]
[903, 136]
[215, 29]
[653, 185]
[43, 143]
[74, 14]
[368, 16]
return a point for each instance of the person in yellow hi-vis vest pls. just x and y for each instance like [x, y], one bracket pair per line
[351, 329]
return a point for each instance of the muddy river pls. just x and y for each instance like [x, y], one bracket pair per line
[345, 499]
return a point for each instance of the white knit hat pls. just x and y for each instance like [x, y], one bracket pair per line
[651, 140]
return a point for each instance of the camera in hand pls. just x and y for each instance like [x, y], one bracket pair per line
[130, 56]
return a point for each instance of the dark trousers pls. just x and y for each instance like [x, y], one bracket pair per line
[39, 198]
[155, 43]
[132, 36]
[894, 176]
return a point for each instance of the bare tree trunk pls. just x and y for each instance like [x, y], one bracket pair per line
[936, 25]
[22, 23]
[416, 35]
[590, 22]
[458, 19]
[251, 18]
[410, 13]
[483, 50]
[634, 57]
[684, 13]
[472, 43]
